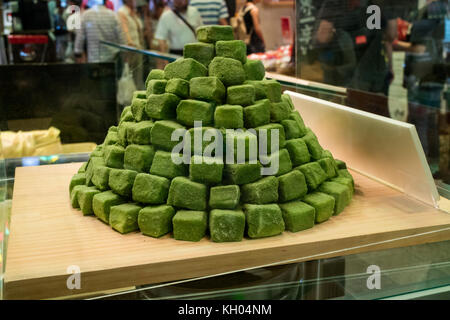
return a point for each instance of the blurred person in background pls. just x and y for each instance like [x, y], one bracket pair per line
[250, 14]
[157, 8]
[212, 11]
[97, 24]
[177, 26]
[86, 4]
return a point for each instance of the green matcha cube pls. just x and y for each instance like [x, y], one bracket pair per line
[323, 203]
[212, 34]
[187, 194]
[123, 217]
[84, 197]
[229, 71]
[254, 69]
[292, 186]
[122, 132]
[265, 134]
[206, 169]
[280, 158]
[263, 220]
[345, 174]
[224, 197]
[207, 88]
[297, 118]
[189, 111]
[164, 166]
[279, 111]
[340, 164]
[178, 87]
[291, 129]
[298, 151]
[138, 109]
[102, 203]
[162, 106]
[243, 95]
[240, 146]
[190, 225]
[139, 133]
[262, 191]
[82, 168]
[258, 114]
[229, 116]
[111, 138]
[150, 189]
[121, 181]
[298, 216]
[287, 99]
[156, 87]
[260, 90]
[156, 221]
[202, 52]
[112, 129]
[154, 74]
[234, 49]
[74, 196]
[101, 177]
[114, 156]
[344, 181]
[138, 158]
[93, 162]
[273, 90]
[205, 135]
[226, 225]
[313, 145]
[327, 165]
[242, 173]
[341, 194]
[126, 115]
[77, 179]
[185, 68]
[314, 174]
[140, 94]
[161, 134]
[98, 151]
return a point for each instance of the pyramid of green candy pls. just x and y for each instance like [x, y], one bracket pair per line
[131, 183]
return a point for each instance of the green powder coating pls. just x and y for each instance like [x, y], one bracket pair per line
[254, 69]
[297, 118]
[187, 194]
[341, 194]
[102, 203]
[98, 151]
[185, 68]
[262, 191]
[150, 189]
[224, 197]
[243, 95]
[344, 181]
[156, 87]
[243, 143]
[206, 170]
[101, 177]
[122, 132]
[138, 109]
[207, 89]
[123, 218]
[162, 106]
[154, 74]
[161, 134]
[314, 174]
[156, 221]
[258, 114]
[273, 90]
[212, 34]
[83, 168]
[229, 71]
[260, 90]
[189, 111]
[284, 161]
[229, 116]
[298, 152]
[138, 158]
[323, 203]
[190, 225]
[291, 129]
[345, 174]
[126, 115]
[340, 164]
[298, 216]
[287, 99]
[234, 49]
[93, 162]
[139, 133]
[263, 220]
[77, 179]
[202, 52]
[121, 181]
[313, 145]
[292, 186]
[242, 173]
[279, 111]
[164, 166]
[178, 87]
[265, 134]
[114, 156]
[74, 196]
[327, 165]
[226, 225]
[202, 134]
[140, 94]
[111, 138]
[84, 197]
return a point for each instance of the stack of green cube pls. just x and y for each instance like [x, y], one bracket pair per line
[211, 149]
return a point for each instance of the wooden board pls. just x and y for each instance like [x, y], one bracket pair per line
[48, 236]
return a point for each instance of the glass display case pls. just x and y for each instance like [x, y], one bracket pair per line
[392, 242]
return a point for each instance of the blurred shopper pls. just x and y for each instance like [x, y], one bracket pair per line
[132, 26]
[212, 11]
[176, 27]
[86, 4]
[157, 8]
[250, 14]
[98, 23]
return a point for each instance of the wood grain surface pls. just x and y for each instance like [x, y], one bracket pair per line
[48, 236]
